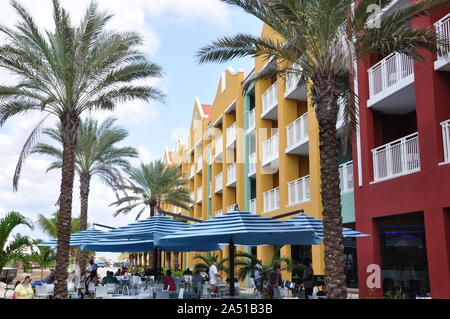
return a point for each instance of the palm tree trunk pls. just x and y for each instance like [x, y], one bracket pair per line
[325, 96]
[69, 125]
[85, 181]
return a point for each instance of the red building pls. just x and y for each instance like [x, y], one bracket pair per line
[402, 171]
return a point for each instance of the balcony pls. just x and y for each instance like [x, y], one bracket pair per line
[299, 191]
[346, 177]
[231, 175]
[192, 199]
[270, 103]
[199, 194]
[191, 171]
[294, 90]
[340, 118]
[231, 135]
[297, 136]
[252, 206]
[218, 185]
[231, 208]
[400, 157]
[446, 140]
[252, 165]
[270, 151]
[391, 85]
[218, 146]
[199, 164]
[272, 200]
[443, 31]
[251, 121]
[218, 213]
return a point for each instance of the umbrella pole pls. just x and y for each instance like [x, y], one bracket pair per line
[231, 277]
[155, 262]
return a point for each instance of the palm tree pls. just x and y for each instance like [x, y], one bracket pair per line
[149, 185]
[206, 262]
[64, 73]
[49, 226]
[45, 256]
[13, 250]
[323, 38]
[96, 154]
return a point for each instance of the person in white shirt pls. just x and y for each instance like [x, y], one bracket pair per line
[214, 276]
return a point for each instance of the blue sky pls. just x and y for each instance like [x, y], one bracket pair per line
[174, 30]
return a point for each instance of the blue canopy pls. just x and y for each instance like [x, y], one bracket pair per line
[77, 239]
[243, 228]
[307, 222]
[150, 228]
[240, 228]
[113, 245]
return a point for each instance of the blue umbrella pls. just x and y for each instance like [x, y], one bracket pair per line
[310, 223]
[77, 239]
[241, 228]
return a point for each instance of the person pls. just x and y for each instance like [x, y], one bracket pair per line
[118, 272]
[187, 272]
[123, 271]
[214, 276]
[50, 278]
[197, 280]
[308, 278]
[136, 273]
[109, 279]
[274, 279]
[23, 290]
[92, 273]
[168, 281]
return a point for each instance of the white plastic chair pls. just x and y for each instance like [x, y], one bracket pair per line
[181, 293]
[50, 289]
[164, 294]
[206, 291]
[41, 291]
[111, 288]
[71, 290]
[101, 292]
[91, 287]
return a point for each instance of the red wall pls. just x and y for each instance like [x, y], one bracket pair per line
[427, 191]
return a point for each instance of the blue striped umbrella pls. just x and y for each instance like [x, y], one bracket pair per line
[307, 222]
[241, 228]
[150, 228]
[77, 239]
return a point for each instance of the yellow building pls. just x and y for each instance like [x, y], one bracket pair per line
[260, 147]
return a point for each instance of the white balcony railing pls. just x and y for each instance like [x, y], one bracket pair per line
[443, 31]
[340, 117]
[397, 158]
[446, 139]
[199, 194]
[231, 174]
[252, 206]
[192, 199]
[199, 164]
[272, 200]
[299, 191]
[218, 186]
[252, 164]
[252, 120]
[218, 146]
[389, 71]
[292, 79]
[231, 208]
[191, 170]
[231, 134]
[297, 131]
[218, 213]
[270, 149]
[346, 177]
[270, 98]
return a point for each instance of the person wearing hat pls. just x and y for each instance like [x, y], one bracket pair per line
[23, 289]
